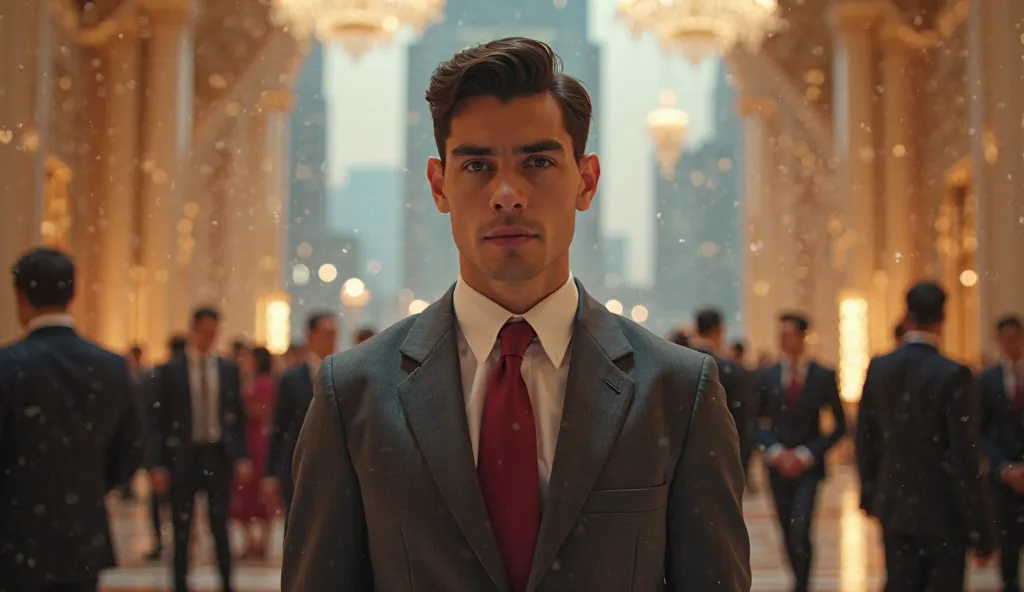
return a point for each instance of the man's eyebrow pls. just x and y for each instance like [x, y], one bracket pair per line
[546, 145]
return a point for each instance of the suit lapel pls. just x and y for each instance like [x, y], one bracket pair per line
[598, 394]
[435, 408]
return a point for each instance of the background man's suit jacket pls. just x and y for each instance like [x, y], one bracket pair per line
[645, 489]
[69, 433]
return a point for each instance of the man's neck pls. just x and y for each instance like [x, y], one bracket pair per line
[516, 297]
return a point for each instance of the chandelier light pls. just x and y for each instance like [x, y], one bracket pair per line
[668, 127]
[357, 25]
[702, 28]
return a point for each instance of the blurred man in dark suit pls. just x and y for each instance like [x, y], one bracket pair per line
[69, 434]
[736, 381]
[1002, 415]
[294, 394]
[790, 397]
[199, 441]
[919, 456]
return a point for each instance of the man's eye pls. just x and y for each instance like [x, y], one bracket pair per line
[539, 162]
[475, 166]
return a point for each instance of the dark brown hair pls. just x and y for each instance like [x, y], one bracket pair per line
[507, 69]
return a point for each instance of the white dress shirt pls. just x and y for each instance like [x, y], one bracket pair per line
[799, 367]
[1012, 373]
[207, 416]
[50, 320]
[545, 363]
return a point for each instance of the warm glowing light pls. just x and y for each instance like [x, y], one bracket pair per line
[700, 29]
[354, 293]
[327, 273]
[853, 346]
[969, 278]
[418, 306]
[277, 324]
[300, 274]
[613, 306]
[668, 127]
[358, 25]
[639, 313]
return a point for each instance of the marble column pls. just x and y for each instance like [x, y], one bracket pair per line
[25, 64]
[760, 254]
[117, 231]
[168, 121]
[276, 107]
[241, 254]
[900, 256]
[997, 97]
[855, 84]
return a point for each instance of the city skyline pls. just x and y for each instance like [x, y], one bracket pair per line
[373, 112]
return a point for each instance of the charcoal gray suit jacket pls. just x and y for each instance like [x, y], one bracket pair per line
[645, 492]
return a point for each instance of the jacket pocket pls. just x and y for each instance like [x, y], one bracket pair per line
[626, 501]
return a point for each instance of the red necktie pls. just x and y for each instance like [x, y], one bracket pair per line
[793, 392]
[507, 460]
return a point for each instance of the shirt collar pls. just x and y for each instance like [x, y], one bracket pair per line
[922, 337]
[1012, 366]
[480, 319]
[801, 364]
[50, 320]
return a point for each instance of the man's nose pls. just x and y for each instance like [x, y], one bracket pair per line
[506, 199]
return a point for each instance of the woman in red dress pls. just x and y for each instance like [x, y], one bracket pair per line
[248, 508]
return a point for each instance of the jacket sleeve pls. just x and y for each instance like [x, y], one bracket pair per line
[708, 547]
[326, 546]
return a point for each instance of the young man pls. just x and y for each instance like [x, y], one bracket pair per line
[199, 441]
[516, 435]
[919, 456]
[790, 396]
[69, 434]
[1002, 414]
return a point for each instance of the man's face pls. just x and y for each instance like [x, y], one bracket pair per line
[323, 337]
[512, 186]
[791, 339]
[1011, 342]
[204, 333]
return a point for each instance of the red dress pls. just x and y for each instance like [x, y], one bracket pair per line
[258, 396]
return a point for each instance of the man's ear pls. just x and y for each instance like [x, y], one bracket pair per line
[435, 176]
[590, 173]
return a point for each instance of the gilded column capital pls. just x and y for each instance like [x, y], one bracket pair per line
[175, 11]
[756, 107]
[277, 100]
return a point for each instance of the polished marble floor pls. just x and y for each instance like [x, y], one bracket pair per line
[847, 553]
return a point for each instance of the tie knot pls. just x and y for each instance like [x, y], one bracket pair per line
[515, 338]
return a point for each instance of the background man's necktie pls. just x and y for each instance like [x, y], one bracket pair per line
[793, 392]
[507, 459]
[205, 421]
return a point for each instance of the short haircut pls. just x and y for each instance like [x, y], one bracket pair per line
[926, 303]
[46, 277]
[679, 337]
[177, 345]
[507, 69]
[313, 321]
[797, 320]
[707, 320]
[262, 359]
[204, 313]
[1008, 322]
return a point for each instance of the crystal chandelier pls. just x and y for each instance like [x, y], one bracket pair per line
[702, 28]
[358, 25]
[668, 127]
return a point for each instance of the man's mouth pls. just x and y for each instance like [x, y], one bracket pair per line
[510, 236]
